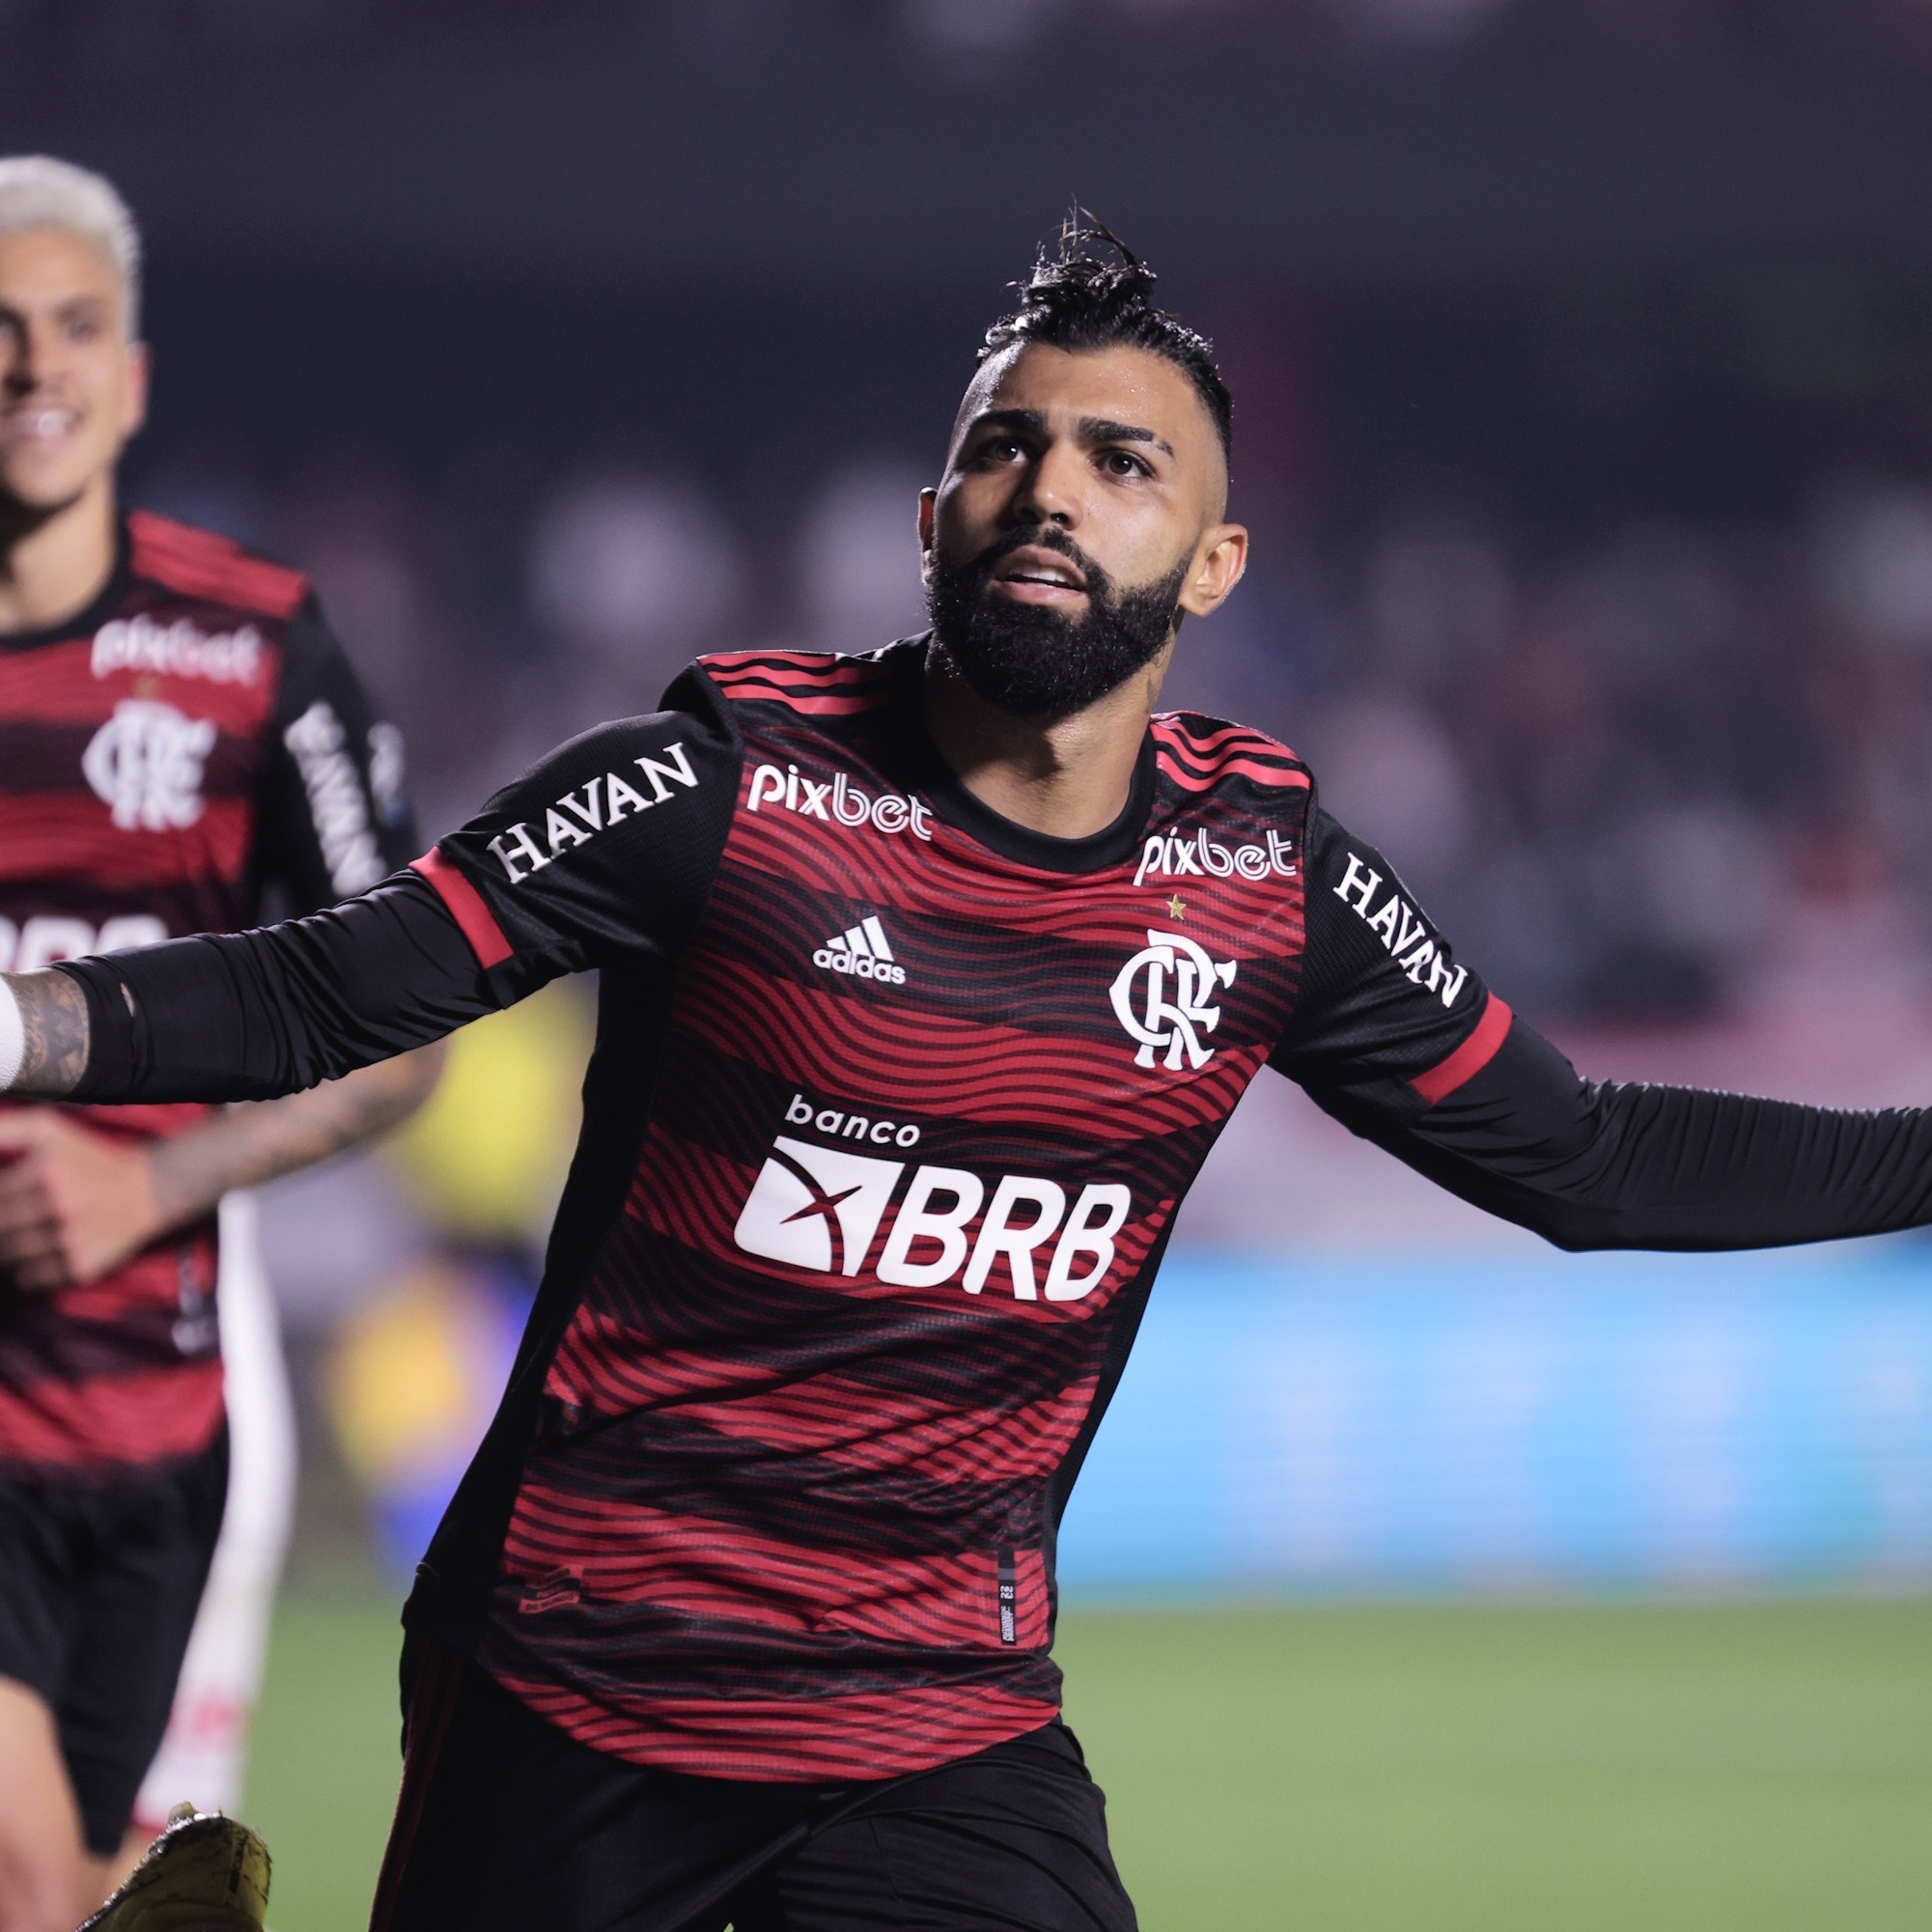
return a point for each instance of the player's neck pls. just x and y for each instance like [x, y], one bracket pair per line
[54, 563]
[1069, 779]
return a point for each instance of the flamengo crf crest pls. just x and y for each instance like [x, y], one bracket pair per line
[1161, 997]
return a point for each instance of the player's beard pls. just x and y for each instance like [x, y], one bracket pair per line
[1038, 663]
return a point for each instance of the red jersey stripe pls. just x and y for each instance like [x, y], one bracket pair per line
[1470, 1058]
[200, 563]
[465, 907]
[108, 1420]
[786, 1740]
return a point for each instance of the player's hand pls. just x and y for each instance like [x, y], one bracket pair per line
[74, 1203]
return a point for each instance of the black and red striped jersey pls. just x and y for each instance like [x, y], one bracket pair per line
[192, 738]
[892, 1107]
[919, 1095]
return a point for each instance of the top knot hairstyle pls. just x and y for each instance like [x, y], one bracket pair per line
[1085, 299]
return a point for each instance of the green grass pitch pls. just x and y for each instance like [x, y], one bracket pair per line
[1714, 1768]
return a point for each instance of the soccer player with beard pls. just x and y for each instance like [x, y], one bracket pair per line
[928, 978]
[180, 730]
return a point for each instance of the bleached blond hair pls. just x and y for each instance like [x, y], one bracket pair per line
[41, 191]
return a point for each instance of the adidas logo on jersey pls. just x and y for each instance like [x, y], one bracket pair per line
[862, 951]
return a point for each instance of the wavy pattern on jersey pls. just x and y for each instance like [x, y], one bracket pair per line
[809, 1499]
[734, 1112]
[796, 1738]
[980, 972]
[931, 1065]
[1202, 755]
[699, 1568]
[848, 1417]
[762, 1527]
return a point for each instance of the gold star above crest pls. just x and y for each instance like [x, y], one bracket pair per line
[1177, 908]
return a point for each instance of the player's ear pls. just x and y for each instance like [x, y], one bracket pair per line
[929, 500]
[1220, 558]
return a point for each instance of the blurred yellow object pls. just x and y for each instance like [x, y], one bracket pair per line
[486, 1157]
[412, 1377]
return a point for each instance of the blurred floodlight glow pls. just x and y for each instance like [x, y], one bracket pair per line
[858, 560]
[1876, 566]
[620, 561]
[1437, 603]
[1705, 871]
[1390, 774]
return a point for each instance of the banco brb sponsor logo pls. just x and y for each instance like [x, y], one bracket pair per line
[1160, 995]
[822, 1209]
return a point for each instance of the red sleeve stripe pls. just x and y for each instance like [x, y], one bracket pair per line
[467, 907]
[1470, 1058]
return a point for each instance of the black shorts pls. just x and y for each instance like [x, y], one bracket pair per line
[504, 1822]
[98, 1587]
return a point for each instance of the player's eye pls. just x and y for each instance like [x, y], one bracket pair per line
[1118, 462]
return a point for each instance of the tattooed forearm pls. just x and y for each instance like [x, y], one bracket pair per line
[53, 1017]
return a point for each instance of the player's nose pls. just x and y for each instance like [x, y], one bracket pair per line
[1050, 492]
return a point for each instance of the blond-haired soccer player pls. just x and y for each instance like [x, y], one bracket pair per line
[177, 728]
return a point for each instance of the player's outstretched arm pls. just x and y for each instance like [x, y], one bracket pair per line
[599, 857]
[1410, 1050]
[257, 1016]
[1601, 1165]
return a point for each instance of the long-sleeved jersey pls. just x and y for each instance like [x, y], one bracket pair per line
[192, 736]
[892, 1107]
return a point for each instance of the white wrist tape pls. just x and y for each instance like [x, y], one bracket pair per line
[12, 1037]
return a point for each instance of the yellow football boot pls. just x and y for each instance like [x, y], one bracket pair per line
[205, 1873]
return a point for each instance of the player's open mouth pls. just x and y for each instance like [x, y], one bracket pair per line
[38, 425]
[1039, 575]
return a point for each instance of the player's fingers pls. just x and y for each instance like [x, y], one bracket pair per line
[25, 1200]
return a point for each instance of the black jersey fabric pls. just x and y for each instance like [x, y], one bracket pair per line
[892, 1105]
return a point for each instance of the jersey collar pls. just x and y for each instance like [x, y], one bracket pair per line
[952, 802]
[88, 620]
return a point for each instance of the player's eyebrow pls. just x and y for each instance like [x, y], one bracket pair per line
[1009, 419]
[1100, 430]
[1093, 429]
